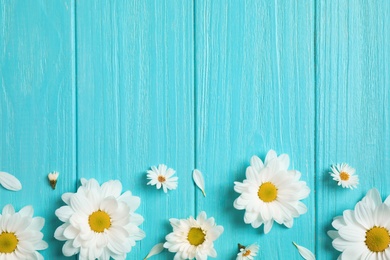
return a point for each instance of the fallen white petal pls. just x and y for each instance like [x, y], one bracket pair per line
[304, 252]
[157, 249]
[199, 181]
[10, 182]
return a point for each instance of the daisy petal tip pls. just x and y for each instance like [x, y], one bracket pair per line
[199, 180]
[10, 182]
[304, 252]
[157, 249]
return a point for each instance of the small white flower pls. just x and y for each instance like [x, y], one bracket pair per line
[10, 182]
[248, 252]
[344, 175]
[162, 177]
[271, 192]
[157, 249]
[304, 252]
[99, 221]
[20, 234]
[53, 176]
[197, 176]
[193, 238]
[364, 233]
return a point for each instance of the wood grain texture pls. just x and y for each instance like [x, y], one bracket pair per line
[353, 123]
[135, 103]
[254, 85]
[36, 106]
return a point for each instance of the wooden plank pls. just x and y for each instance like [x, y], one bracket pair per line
[36, 106]
[135, 103]
[254, 85]
[353, 123]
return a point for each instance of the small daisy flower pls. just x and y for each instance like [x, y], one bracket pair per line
[364, 233]
[162, 177]
[248, 252]
[193, 238]
[99, 221]
[53, 176]
[271, 192]
[20, 234]
[344, 175]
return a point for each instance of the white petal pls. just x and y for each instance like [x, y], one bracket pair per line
[10, 182]
[304, 252]
[155, 250]
[199, 181]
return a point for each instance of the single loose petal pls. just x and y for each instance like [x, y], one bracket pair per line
[157, 249]
[304, 252]
[10, 182]
[199, 180]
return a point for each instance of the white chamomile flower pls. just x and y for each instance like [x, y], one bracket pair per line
[53, 176]
[162, 177]
[271, 192]
[344, 175]
[364, 233]
[248, 252]
[193, 238]
[20, 234]
[99, 221]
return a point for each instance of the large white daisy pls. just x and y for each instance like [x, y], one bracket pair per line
[271, 192]
[344, 175]
[99, 222]
[162, 177]
[364, 233]
[193, 238]
[20, 234]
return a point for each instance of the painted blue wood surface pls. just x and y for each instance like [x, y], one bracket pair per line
[106, 89]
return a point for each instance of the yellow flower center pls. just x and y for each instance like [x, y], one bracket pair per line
[267, 192]
[196, 236]
[377, 239]
[8, 242]
[344, 176]
[161, 178]
[99, 221]
[246, 253]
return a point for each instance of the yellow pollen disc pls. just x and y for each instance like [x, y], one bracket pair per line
[247, 252]
[8, 242]
[267, 192]
[377, 239]
[161, 178]
[196, 236]
[344, 176]
[99, 221]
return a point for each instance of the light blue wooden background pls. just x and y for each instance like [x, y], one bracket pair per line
[106, 89]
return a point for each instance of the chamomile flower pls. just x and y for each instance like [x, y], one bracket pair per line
[20, 234]
[162, 177]
[271, 192]
[344, 175]
[99, 221]
[364, 233]
[248, 252]
[193, 238]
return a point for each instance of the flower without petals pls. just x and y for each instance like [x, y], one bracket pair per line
[344, 175]
[53, 176]
[10, 182]
[271, 192]
[20, 234]
[162, 177]
[248, 252]
[99, 221]
[193, 238]
[364, 233]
